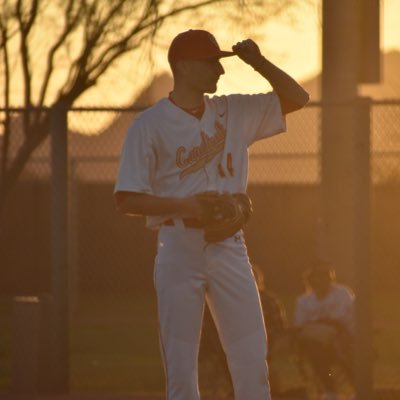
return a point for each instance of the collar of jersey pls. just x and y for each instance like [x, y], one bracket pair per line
[196, 112]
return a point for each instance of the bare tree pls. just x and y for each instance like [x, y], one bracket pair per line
[83, 39]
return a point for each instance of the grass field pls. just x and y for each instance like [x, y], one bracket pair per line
[114, 346]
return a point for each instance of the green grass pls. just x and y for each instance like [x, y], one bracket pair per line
[114, 346]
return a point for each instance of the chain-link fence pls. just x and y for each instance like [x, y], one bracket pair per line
[113, 319]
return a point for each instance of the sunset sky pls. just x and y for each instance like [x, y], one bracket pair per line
[294, 47]
[297, 48]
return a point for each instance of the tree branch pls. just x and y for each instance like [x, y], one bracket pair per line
[24, 54]
[6, 122]
[78, 70]
[147, 22]
[25, 28]
[71, 21]
[83, 75]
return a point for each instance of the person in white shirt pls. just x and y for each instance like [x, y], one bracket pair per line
[324, 326]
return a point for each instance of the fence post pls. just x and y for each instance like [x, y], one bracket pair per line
[26, 332]
[59, 246]
[73, 192]
[363, 353]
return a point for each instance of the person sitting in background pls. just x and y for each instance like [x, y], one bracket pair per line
[273, 309]
[324, 326]
[276, 324]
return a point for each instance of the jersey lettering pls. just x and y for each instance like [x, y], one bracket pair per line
[196, 158]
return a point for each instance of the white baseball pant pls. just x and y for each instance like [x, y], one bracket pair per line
[189, 272]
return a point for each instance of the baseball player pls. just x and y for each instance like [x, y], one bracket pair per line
[183, 146]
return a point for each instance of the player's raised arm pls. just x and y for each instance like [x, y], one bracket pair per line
[292, 96]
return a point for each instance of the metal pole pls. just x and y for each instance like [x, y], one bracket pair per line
[73, 187]
[345, 172]
[59, 245]
[339, 89]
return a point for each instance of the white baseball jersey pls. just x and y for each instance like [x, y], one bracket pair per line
[337, 305]
[170, 153]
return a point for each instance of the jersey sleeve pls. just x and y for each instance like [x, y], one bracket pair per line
[137, 161]
[258, 115]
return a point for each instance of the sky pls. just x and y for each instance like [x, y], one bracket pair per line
[296, 48]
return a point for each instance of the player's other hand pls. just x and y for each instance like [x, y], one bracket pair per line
[199, 205]
[248, 51]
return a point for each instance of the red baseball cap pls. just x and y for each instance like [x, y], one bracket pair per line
[195, 44]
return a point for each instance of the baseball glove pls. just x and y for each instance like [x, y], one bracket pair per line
[223, 214]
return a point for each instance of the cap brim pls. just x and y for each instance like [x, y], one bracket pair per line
[220, 54]
[217, 55]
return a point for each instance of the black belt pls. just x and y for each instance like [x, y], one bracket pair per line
[187, 222]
